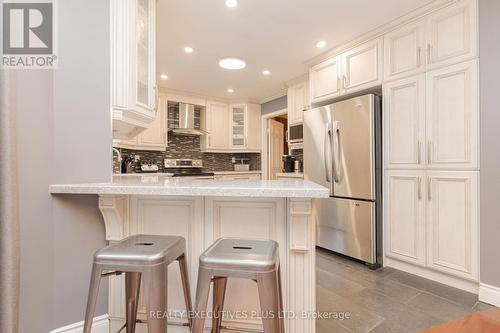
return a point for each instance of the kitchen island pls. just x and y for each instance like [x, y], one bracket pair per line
[204, 210]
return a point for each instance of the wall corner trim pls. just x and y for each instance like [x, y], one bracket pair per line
[489, 294]
[100, 325]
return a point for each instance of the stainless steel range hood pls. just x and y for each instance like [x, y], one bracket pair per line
[186, 121]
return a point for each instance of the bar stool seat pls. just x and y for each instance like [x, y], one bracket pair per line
[239, 254]
[142, 250]
[257, 260]
[146, 257]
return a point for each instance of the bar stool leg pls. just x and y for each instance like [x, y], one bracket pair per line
[155, 292]
[187, 290]
[132, 287]
[218, 302]
[269, 296]
[95, 280]
[202, 291]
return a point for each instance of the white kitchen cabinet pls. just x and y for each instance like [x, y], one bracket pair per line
[404, 123]
[452, 34]
[238, 124]
[325, 80]
[404, 216]
[452, 117]
[404, 51]
[217, 125]
[362, 66]
[134, 94]
[298, 102]
[357, 69]
[452, 222]
[232, 128]
[155, 137]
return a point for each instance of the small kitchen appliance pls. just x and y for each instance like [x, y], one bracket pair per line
[288, 163]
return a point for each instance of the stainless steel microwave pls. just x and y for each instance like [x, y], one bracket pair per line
[295, 134]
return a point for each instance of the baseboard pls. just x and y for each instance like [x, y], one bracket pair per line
[100, 325]
[449, 280]
[489, 294]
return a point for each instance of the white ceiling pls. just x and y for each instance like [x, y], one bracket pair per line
[278, 35]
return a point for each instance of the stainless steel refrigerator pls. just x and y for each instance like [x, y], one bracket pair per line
[342, 151]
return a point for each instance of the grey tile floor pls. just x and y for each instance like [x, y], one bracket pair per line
[383, 301]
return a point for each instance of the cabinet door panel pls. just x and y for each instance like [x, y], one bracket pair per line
[298, 97]
[238, 126]
[452, 117]
[325, 80]
[452, 223]
[403, 51]
[404, 213]
[155, 135]
[362, 66]
[218, 125]
[452, 34]
[404, 122]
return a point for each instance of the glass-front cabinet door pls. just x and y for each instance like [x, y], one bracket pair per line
[238, 125]
[145, 49]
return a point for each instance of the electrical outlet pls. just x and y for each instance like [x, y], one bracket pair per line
[233, 159]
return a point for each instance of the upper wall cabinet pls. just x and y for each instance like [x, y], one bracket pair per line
[404, 51]
[446, 37]
[133, 74]
[362, 66]
[298, 102]
[231, 128]
[452, 34]
[325, 82]
[155, 137]
[357, 69]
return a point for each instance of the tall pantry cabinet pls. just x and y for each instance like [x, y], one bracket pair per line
[431, 143]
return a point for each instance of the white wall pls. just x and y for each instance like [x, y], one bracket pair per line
[489, 48]
[64, 134]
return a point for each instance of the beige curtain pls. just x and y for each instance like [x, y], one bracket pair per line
[9, 223]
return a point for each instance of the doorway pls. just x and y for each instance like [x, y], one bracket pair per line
[274, 143]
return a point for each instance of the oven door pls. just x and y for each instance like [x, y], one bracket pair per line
[295, 134]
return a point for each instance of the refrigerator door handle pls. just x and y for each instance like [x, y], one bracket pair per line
[326, 149]
[336, 156]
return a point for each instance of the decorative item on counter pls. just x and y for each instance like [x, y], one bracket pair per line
[288, 163]
[242, 166]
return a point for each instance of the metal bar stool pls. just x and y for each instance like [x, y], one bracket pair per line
[147, 256]
[240, 258]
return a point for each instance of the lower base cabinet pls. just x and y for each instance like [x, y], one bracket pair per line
[431, 220]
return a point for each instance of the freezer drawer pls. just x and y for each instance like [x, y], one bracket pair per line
[347, 227]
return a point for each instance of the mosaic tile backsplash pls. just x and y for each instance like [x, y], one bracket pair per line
[188, 147]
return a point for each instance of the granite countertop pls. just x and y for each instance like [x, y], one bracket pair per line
[287, 188]
[237, 172]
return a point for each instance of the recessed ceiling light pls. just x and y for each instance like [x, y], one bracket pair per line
[231, 3]
[188, 49]
[232, 63]
[266, 72]
[164, 76]
[320, 44]
[230, 90]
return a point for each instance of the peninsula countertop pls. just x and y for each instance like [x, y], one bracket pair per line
[289, 188]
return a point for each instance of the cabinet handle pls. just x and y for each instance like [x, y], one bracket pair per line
[429, 152]
[429, 184]
[345, 84]
[419, 57]
[419, 152]
[429, 53]
[339, 83]
[419, 188]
